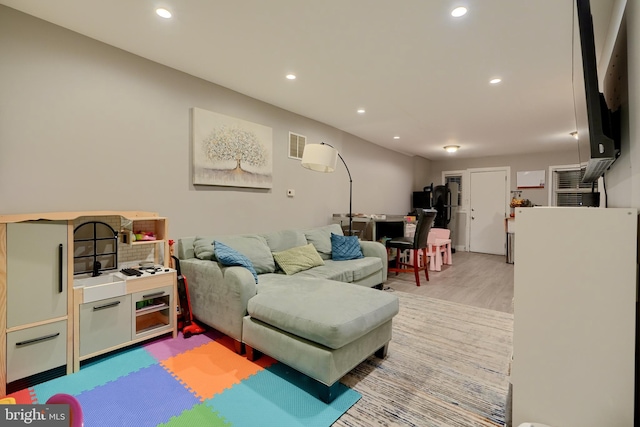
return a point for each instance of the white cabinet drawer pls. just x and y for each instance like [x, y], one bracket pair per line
[37, 349]
[104, 324]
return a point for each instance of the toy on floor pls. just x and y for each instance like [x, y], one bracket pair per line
[75, 410]
[189, 327]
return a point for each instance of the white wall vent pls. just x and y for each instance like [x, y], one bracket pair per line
[296, 145]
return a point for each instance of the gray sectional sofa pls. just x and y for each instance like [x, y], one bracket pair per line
[322, 321]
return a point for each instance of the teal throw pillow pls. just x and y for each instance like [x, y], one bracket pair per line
[345, 247]
[228, 256]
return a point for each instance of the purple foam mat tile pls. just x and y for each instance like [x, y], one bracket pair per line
[147, 397]
[170, 347]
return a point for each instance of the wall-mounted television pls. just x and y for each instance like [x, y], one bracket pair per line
[597, 126]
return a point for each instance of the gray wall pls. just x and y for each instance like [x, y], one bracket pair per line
[86, 126]
[623, 180]
[530, 162]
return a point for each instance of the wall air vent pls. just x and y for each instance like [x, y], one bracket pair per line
[296, 145]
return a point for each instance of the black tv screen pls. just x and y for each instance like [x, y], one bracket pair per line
[421, 199]
[598, 142]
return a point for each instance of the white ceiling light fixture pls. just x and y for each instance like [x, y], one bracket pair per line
[291, 76]
[361, 111]
[459, 11]
[495, 80]
[451, 148]
[396, 137]
[163, 13]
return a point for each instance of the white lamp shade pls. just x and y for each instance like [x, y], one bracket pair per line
[319, 157]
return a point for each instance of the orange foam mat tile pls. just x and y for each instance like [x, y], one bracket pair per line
[212, 368]
[24, 396]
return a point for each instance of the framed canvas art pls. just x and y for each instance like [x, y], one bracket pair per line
[230, 152]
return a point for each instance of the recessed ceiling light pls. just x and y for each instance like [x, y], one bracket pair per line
[396, 137]
[495, 81]
[361, 111]
[458, 12]
[451, 148]
[291, 76]
[164, 13]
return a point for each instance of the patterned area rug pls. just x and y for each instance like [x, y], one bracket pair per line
[198, 381]
[447, 366]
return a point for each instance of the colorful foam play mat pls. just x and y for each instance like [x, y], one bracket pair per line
[199, 381]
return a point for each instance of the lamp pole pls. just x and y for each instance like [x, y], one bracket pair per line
[350, 187]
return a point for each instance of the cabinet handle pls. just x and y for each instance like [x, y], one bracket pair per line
[102, 307]
[60, 268]
[35, 340]
[155, 294]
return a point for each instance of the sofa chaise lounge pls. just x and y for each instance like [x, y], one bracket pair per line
[323, 318]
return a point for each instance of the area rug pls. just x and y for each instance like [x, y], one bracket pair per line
[198, 381]
[447, 366]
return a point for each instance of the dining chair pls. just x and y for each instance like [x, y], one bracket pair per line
[416, 244]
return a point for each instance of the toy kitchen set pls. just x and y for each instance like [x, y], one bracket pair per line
[78, 285]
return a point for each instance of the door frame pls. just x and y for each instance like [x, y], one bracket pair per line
[507, 193]
[463, 207]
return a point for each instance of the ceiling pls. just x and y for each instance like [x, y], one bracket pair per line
[418, 72]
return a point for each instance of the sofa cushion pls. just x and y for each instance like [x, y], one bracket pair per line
[333, 314]
[331, 270]
[344, 248]
[345, 271]
[298, 259]
[253, 247]
[203, 247]
[229, 256]
[320, 237]
[286, 239]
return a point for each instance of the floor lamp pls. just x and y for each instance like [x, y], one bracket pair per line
[323, 158]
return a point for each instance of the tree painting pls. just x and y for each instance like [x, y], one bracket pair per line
[226, 143]
[230, 152]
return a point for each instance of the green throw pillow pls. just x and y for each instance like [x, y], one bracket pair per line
[298, 259]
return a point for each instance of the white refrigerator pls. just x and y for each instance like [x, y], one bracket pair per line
[575, 296]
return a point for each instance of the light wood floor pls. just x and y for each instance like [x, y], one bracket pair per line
[479, 280]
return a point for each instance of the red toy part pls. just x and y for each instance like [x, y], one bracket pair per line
[189, 327]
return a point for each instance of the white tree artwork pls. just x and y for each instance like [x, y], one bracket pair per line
[230, 152]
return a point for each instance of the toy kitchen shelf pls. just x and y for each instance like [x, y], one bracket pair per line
[145, 227]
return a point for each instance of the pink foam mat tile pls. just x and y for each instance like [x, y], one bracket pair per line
[165, 348]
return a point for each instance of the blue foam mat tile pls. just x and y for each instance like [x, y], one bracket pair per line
[282, 394]
[134, 399]
[95, 374]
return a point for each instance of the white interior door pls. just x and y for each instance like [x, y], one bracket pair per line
[488, 193]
